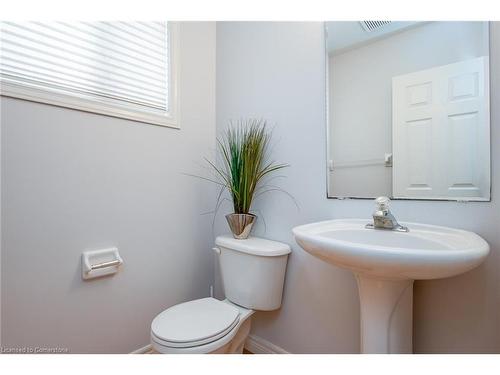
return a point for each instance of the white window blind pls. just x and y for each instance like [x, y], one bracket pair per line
[122, 64]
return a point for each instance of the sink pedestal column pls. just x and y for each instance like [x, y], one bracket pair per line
[386, 314]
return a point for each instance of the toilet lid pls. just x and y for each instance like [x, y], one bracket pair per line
[194, 323]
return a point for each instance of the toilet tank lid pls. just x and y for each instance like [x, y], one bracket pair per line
[254, 246]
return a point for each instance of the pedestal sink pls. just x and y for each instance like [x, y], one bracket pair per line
[385, 264]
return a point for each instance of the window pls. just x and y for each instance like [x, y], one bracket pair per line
[121, 69]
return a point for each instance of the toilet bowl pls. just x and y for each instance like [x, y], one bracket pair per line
[253, 272]
[201, 326]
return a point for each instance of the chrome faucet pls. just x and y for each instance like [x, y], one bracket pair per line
[383, 218]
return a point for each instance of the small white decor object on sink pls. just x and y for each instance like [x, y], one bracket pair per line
[385, 263]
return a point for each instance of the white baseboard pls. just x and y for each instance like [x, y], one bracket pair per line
[258, 345]
[144, 350]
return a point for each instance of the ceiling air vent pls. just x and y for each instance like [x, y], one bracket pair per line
[373, 25]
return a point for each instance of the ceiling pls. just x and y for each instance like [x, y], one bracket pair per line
[345, 35]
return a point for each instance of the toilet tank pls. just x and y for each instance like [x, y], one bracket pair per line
[253, 271]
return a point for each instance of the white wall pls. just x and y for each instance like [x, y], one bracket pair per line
[73, 181]
[276, 70]
[363, 77]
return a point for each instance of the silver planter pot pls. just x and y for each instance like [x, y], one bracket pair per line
[241, 224]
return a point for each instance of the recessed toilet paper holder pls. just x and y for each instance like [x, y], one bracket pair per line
[97, 263]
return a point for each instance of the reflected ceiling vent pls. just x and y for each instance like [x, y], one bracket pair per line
[370, 26]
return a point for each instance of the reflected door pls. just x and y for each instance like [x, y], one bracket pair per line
[440, 129]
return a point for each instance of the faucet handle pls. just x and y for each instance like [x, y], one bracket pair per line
[382, 203]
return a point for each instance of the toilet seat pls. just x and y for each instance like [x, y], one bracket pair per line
[194, 323]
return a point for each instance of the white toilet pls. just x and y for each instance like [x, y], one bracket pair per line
[253, 272]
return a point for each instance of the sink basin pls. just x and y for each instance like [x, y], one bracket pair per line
[385, 263]
[425, 252]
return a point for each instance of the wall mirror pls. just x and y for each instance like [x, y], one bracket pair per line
[408, 110]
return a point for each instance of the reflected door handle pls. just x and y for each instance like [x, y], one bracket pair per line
[388, 160]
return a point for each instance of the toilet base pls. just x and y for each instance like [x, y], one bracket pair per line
[236, 345]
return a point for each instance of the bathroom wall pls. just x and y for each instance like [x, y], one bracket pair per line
[277, 71]
[73, 181]
[364, 75]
